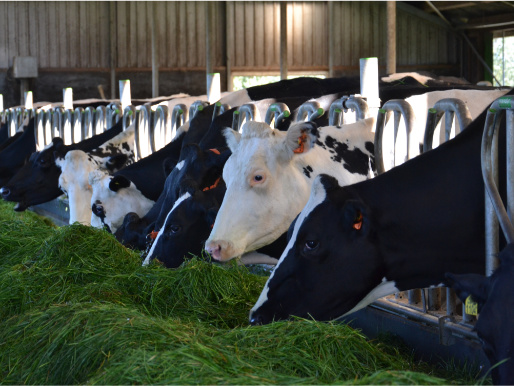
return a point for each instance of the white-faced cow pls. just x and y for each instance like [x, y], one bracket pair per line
[76, 165]
[401, 230]
[37, 181]
[495, 298]
[271, 172]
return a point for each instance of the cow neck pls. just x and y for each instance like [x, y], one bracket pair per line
[432, 188]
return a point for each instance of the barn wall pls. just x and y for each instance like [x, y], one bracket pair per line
[74, 40]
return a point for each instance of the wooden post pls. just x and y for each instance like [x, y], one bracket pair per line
[112, 47]
[283, 40]
[155, 52]
[331, 39]
[391, 38]
[208, 38]
[229, 31]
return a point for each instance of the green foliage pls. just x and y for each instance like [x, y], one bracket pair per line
[503, 48]
[76, 307]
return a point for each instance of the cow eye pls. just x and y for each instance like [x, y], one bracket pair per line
[258, 178]
[175, 229]
[311, 245]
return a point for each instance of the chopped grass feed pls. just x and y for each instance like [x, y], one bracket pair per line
[77, 307]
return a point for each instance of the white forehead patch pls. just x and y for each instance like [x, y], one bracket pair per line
[182, 198]
[318, 195]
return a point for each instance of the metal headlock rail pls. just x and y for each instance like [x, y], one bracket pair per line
[309, 111]
[219, 108]
[142, 129]
[399, 108]
[495, 212]
[430, 299]
[196, 107]
[450, 108]
[246, 112]
[339, 109]
[276, 113]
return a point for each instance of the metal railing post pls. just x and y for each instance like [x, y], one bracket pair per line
[195, 107]
[448, 107]
[162, 126]
[399, 108]
[142, 136]
[276, 112]
[309, 111]
[247, 112]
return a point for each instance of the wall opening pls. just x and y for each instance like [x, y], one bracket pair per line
[503, 57]
[244, 81]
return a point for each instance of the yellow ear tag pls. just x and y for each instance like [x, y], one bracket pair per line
[471, 306]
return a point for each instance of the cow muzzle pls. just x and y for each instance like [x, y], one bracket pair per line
[220, 250]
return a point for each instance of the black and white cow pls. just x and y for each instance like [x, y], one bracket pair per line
[37, 181]
[133, 189]
[15, 154]
[401, 230]
[270, 210]
[76, 165]
[495, 298]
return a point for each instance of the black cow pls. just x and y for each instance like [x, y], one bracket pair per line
[37, 181]
[401, 230]
[14, 155]
[495, 298]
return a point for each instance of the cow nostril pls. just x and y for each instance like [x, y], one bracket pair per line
[5, 192]
[98, 210]
[256, 320]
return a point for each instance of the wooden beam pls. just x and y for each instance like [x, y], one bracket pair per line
[391, 38]
[489, 22]
[283, 40]
[450, 5]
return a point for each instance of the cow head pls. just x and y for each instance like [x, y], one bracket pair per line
[187, 225]
[37, 181]
[495, 298]
[267, 186]
[112, 198]
[330, 266]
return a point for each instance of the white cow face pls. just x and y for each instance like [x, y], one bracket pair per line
[73, 180]
[265, 184]
[111, 201]
[269, 175]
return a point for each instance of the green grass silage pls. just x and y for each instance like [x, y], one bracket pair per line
[76, 307]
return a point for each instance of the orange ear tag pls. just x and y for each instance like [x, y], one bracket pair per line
[357, 224]
[301, 141]
[153, 235]
[215, 151]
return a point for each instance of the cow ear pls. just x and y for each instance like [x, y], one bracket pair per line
[232, 138]
[355, 218]
[469, 284]
[300, 137]
[116, 162]
[118, 182]
[59, 148]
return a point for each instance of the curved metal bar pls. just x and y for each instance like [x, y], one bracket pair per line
[336, 111]
[143, 115]
[400, 108]
[57, 122]
[88, 122]
[114, 114]
[493, 121]
[129, 114]
[195, 107]
[178, 115]
[162, 125]
[68, 127]
[278, 112]
[309, 111]
[449, 107]
[19, 118]
[357, 104]
[79, 123]
[247, 112]
[100, 124]
[219, 108]
[235, 120]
